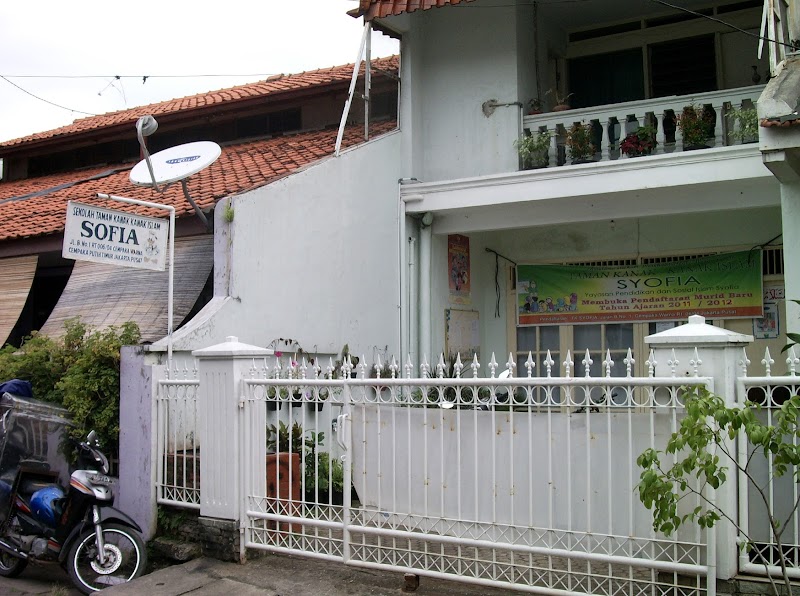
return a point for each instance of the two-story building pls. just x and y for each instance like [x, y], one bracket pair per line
[381, 232]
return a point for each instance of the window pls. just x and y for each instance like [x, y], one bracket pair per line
[683, 66]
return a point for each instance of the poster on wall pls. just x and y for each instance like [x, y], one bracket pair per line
[458, 268]
[720, 286]
[462, 334]
[768, 326]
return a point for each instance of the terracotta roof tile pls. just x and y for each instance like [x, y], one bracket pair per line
[273, 85]
[37, 206]
[782, 122]
[375, 9]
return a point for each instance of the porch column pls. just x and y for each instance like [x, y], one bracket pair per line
[221, 370]
[720, 351]
[425, 237]
[790, 215]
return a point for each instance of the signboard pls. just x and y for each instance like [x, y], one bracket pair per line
[720, 286]
[115, 237]
[459, 268]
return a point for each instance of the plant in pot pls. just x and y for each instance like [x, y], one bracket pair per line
[324, 479]
[561, 102]
[579, 143]
[534, 106]
[534, 149]
[697, 126]
[640, 142]
[747, 121]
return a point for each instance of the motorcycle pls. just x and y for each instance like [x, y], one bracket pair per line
[97, 544]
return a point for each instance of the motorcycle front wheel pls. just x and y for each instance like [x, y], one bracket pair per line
[125, 559]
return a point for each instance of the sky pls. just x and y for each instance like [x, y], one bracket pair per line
[70, 53]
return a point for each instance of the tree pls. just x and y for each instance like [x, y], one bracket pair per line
[709, 429]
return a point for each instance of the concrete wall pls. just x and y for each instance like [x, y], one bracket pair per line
[460, 59]
[313, 257]
[137, 492]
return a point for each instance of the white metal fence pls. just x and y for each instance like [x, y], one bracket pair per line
[178, 449]
[761, 555]
[521, 482]
[525, 483]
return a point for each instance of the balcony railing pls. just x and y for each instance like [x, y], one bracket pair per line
[611, 123]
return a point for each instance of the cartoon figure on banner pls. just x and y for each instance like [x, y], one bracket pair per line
[531, 293]
[459, 273]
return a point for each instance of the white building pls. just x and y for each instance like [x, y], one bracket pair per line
[355, 249]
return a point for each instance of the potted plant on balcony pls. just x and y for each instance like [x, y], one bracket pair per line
[747, 119]
[579, 143]
[533, 150]
[640, 142]
[696, 125]
[561, 101]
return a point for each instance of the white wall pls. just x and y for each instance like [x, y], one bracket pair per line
[460, 59]
[312, 257]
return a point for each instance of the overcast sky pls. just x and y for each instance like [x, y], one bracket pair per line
[102, 40]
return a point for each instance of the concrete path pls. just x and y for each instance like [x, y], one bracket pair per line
[282, 575]
[45, 579]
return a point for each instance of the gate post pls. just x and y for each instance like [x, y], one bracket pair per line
[720, 351]
[222, 369]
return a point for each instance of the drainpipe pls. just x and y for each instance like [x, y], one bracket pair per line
[406, 302]
[403, 250]
[425, 236]
[413, 314]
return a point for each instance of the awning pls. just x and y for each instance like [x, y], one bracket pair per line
[104, 295]
[16, 277]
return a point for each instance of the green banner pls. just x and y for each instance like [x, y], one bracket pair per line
[721, 286]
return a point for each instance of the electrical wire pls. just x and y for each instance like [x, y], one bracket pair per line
[46, 100]
[721, 22]
[144, 77]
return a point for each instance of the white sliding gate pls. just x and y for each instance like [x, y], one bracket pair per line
[522, 483]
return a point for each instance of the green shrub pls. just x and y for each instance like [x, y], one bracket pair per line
[79, 371]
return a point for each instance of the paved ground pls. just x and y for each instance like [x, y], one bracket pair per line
[282, 575]
[269, 575]
[44, 579]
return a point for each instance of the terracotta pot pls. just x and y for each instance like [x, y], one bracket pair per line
[561, 107]
[284, 488]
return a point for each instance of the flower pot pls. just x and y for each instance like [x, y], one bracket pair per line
[284, 488]
[561, 107]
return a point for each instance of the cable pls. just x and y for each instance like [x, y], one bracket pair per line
[145, 77]
[45, 100]
[721, 22]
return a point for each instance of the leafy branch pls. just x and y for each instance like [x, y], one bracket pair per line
[708, 429]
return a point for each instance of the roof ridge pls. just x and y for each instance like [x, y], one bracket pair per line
[178, 104]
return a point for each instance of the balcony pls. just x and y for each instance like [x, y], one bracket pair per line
[611, 123]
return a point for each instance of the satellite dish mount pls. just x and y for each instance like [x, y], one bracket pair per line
[175, 164]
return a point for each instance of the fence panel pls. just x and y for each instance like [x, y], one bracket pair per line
[178, 445]
[524, 483]
[762, 554]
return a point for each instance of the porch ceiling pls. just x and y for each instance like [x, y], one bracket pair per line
[589, 13]
[687, 182]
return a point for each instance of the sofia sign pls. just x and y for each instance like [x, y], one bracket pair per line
[720, 286]
[114, 237]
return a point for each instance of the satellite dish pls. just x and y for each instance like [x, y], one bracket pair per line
[176, 163]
